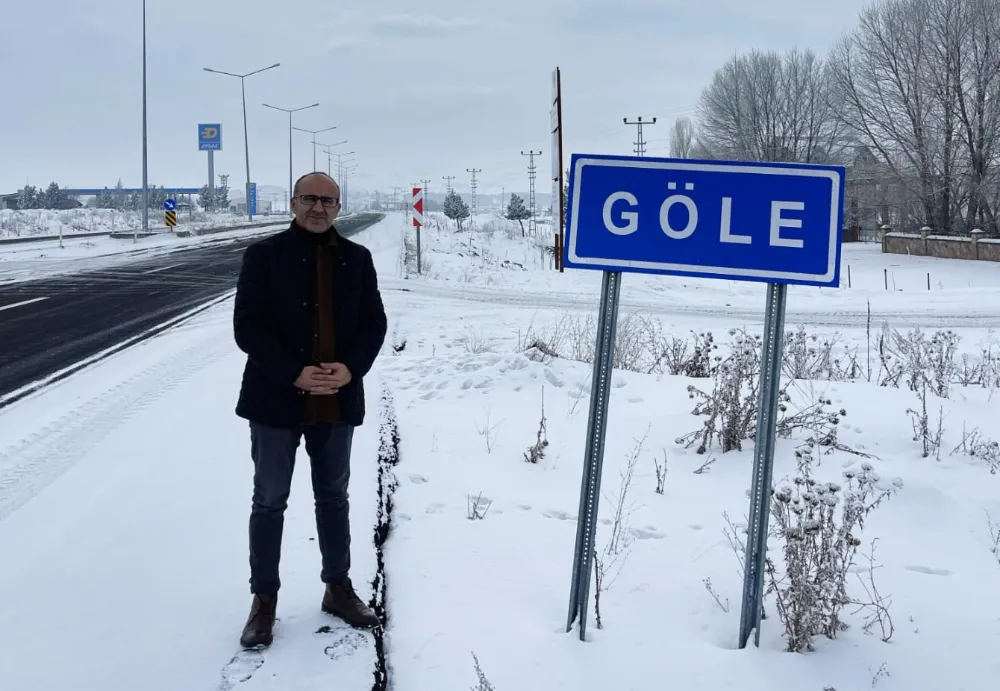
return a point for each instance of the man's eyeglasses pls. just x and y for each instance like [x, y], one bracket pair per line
[311, 199]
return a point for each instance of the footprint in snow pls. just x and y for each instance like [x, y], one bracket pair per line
[928, 571]
[435, 507]
[558, 515]
[643, 534]
[418, 479]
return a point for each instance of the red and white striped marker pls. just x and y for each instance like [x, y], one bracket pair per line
[418, 206]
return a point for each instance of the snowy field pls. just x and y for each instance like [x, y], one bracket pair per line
[124, 490]
[43, 223]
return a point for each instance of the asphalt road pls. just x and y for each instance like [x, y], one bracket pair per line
[49, 324]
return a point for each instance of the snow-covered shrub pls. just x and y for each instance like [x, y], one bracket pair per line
[730, 408]
[483, 683]
[818, 525]
[918, 361]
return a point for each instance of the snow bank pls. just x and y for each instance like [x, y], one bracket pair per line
[49, 223]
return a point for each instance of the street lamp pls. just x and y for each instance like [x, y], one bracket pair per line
[314, 133]
[327, 147]
[343, 176]
[246, 140]
[290, 111]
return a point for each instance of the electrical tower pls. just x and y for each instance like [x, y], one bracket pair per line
[640, 143]
[532, 227]
[447, 181]
[475, 205]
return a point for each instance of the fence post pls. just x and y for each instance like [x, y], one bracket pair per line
[924, 235]
[975, 234]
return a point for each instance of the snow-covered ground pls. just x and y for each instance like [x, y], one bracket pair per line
[50, 223]
[125, 539]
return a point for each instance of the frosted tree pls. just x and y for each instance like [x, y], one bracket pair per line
[517, 211]
[28, 197]
[681, 138]
[455, 208]
[207, 198]
[52, 197]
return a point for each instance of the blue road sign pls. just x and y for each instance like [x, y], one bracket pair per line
[169, 205]
[210, 137]
[770, 222]
[253, 199]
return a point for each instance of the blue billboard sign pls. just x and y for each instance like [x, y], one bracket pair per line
[210, 137]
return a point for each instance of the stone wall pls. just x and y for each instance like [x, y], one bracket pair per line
[974, 246]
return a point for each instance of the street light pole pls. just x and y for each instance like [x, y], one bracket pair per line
[145, 157]
[314, 133]
[329, 156]
[342, 181]
[246, 138]
[290, 111]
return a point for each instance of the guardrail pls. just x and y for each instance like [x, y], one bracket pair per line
[129, 233]
[346, 222]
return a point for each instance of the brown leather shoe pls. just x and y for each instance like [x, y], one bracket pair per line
[341, 601]
[259, 629]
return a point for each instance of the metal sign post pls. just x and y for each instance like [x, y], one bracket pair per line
[774, 223]
[593, 459]
[763, 463]
[417, 206]
[210, 140]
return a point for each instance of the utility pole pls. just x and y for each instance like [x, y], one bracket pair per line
[447, 181]
[145, 156]
[640, 143]
[395, 198]
[427, 199]
[475, 205]
[532, 226]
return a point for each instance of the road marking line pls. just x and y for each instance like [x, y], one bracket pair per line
[238, 249]
[162, 268]
[21, 304]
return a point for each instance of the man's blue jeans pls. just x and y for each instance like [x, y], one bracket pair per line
[273, 450]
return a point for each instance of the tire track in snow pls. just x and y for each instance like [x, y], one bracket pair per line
[28, 467]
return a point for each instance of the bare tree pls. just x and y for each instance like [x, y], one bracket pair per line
[765, 106]
[917, 83]
[682, 138]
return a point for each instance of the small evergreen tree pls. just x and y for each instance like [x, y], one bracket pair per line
[28, 198]
[105, 200]
[221, 198]
[52, 197]
[517, 211]
[455, 208]
[206, 198]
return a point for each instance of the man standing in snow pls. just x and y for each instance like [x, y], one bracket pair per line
[310, 318]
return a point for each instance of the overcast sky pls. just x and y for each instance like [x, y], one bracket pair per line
[419, 89]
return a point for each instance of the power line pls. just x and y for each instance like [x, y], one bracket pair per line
[447, 181]
[640, 143]
[475, 205]
[532, 227]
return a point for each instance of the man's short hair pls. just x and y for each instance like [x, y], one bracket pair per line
[295, 188]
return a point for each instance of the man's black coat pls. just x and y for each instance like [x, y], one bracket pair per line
[273, 324]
